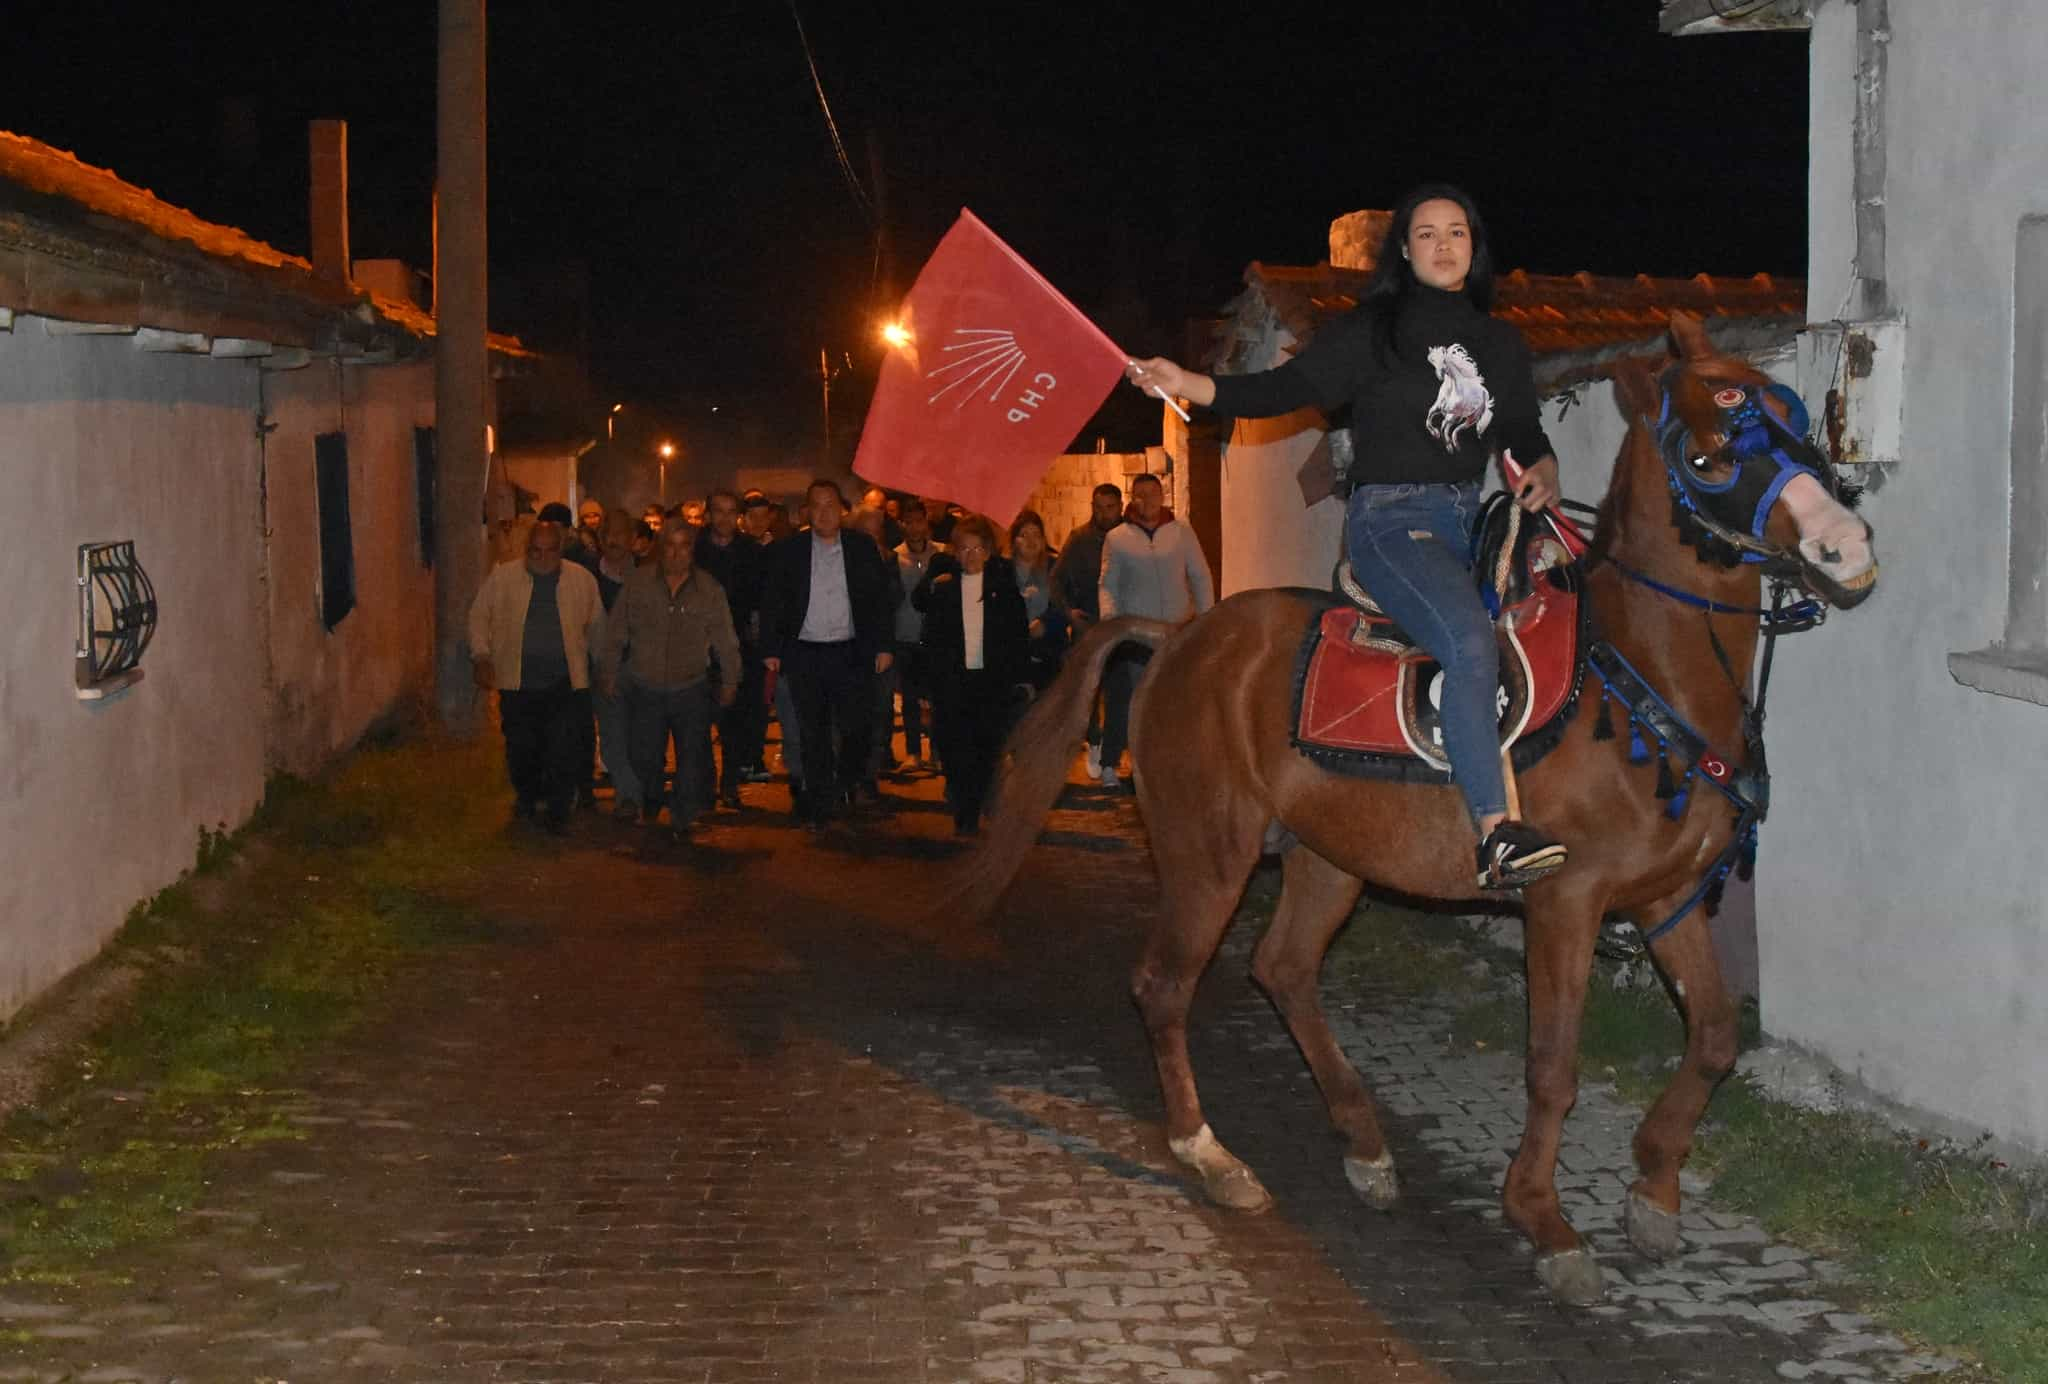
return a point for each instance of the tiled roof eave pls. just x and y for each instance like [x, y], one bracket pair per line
[1557, 371]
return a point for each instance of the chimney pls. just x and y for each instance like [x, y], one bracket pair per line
[1355, 236]
[327, 144]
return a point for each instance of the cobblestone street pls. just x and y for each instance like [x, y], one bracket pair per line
[740, 1122]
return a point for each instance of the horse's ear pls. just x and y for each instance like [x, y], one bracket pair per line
[1689, 335]
[1635, 388]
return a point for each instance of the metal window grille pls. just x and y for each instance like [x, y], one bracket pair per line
[116, 614]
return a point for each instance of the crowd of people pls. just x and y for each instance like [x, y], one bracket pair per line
[653, 651]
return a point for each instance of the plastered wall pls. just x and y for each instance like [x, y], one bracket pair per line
[329, 686]
[1902, 908]
[101, 803]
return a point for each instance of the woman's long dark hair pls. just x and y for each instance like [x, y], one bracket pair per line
[1393, 280]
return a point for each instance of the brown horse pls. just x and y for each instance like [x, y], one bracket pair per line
[1214, 765]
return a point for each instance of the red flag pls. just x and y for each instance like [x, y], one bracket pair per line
[993, 375]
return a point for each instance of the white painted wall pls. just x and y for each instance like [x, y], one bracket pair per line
[1269, 537]
[101, 804]
[1903, 910]
[329, 686]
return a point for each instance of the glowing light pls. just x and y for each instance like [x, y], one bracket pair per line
[896, 334]
[667, 449]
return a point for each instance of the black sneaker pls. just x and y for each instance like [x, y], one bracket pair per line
[1514, 854]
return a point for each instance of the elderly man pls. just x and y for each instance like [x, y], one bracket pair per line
[670, 623]
[530, 634]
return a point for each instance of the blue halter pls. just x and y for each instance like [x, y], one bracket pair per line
[1753, 438]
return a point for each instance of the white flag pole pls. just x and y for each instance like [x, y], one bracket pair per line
[1170, 401]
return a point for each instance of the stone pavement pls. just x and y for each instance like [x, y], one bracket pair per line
[749, 1124]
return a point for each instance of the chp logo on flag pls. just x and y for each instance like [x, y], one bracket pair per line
[972, 412]
[992, 355]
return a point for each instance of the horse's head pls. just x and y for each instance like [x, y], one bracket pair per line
[1746, 485]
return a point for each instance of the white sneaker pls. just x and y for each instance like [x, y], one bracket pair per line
[1107, 778]
[1094, 761]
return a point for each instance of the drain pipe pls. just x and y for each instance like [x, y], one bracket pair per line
[1873, 45]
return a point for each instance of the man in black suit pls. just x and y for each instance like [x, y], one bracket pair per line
[736, 562]
[826, 627]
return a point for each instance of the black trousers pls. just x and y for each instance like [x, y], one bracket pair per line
[1119, 682]
[973, 711]
[743, 726]
[653, 718]
[832, 685]
[545, 752]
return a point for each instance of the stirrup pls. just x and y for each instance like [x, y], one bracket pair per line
[1515, 854]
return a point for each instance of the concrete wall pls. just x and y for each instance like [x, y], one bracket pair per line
[329, 686]
[101, 803]
[1904, 917]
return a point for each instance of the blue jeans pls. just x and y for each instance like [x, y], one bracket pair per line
[1410, 545]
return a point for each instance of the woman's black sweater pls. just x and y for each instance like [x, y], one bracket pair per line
[1456, 389]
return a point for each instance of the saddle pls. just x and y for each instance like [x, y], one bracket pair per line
[1366, 696]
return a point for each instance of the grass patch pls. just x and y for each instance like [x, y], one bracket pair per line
[285, 936]
[1943, 1244]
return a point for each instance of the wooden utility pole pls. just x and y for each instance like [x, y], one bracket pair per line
[461, 357]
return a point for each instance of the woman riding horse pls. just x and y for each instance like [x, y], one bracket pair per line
[1435, 386]
[1715, 485]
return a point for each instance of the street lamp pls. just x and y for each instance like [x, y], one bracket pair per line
[667, 451]
[609, 419]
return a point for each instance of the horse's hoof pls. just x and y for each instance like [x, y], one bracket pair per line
[1238, 1188]
[1226, 1179]
[1651, 1229]
[1374, 1181]
[1571, 1275]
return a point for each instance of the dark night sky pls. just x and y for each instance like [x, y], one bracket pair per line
[1138, 155]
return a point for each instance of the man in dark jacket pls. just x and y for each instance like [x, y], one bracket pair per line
[737, 562]
[1076, 581]
[825, 628]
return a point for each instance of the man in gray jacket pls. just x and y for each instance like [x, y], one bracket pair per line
[670, 625]
[1152, 566]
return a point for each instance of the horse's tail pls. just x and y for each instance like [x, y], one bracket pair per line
[1034, 768]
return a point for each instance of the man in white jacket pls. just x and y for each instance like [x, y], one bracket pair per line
[1153, 566]
[530, 633]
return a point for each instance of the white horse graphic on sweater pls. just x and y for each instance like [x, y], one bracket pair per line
[1462, 401]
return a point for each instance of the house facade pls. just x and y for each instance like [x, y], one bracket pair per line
[1903, 916]
[262, 433]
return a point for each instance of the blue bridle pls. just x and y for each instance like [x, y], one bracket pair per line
[1752, 436]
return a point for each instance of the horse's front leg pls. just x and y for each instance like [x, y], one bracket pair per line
[1663, 1141]
[1315, 900]
[1558, 946]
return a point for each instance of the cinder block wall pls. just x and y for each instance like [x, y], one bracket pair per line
[1062, 496]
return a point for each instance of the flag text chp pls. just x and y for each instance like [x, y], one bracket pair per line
[971, 410]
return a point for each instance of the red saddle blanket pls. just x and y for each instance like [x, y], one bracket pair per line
[1367, 699]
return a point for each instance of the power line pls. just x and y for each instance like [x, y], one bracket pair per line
[860, 195]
